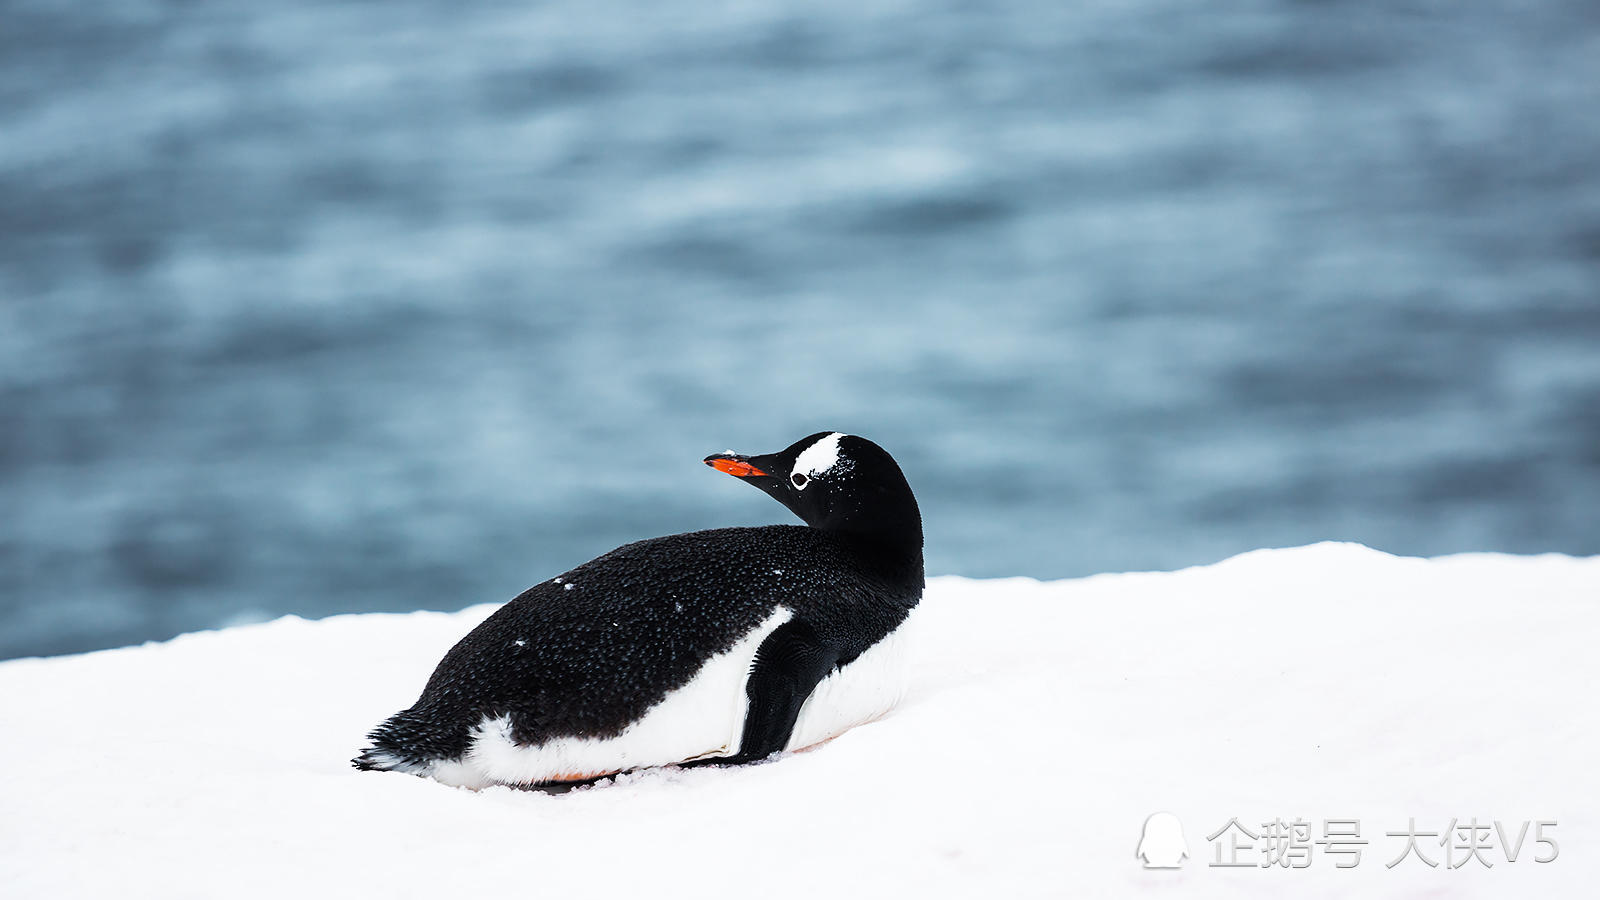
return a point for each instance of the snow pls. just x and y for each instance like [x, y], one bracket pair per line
[1045, 724]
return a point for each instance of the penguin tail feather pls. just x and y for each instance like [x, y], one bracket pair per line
[375, 759]
[403, 743]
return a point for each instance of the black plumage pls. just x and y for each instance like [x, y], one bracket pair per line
[589, 652]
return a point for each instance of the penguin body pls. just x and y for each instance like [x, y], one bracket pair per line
[720, 646]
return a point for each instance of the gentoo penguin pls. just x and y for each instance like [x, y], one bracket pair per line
[721, 646]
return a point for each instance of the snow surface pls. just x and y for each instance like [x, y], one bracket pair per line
[1045, 723]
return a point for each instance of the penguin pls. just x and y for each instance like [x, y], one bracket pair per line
[719, 647]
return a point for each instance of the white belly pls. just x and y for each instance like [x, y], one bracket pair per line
[703, 718]
[866, 689]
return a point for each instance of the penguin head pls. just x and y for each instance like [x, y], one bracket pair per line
[836, 482]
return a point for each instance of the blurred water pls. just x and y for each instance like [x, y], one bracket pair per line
[400, 305]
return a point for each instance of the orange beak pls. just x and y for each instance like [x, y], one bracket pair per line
[737, 467]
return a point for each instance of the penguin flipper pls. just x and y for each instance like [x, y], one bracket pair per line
[787, 667]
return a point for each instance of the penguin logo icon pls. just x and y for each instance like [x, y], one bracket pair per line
[1162, 845]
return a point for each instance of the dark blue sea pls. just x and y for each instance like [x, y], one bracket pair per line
[322, 308]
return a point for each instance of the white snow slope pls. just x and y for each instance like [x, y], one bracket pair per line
[1046, 721]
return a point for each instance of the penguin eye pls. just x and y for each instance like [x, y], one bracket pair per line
[798, 480]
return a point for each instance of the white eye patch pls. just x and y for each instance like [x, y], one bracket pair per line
[817, 459]
[799, 480]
